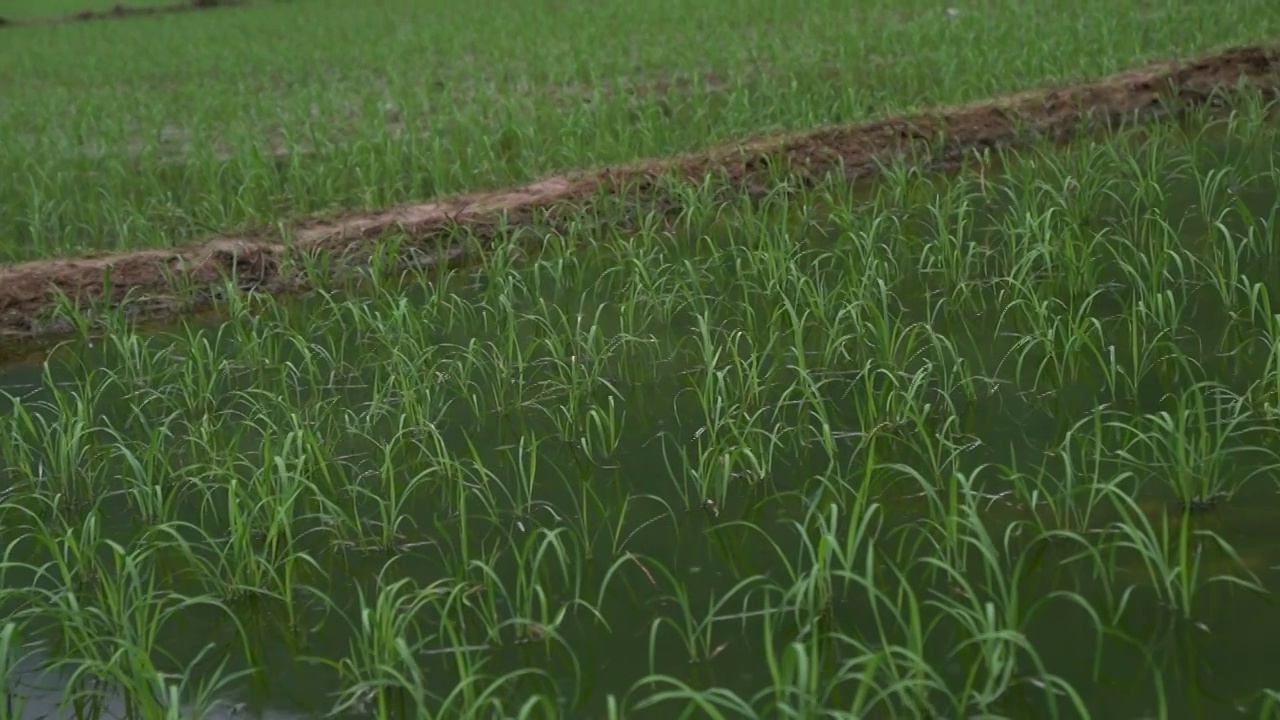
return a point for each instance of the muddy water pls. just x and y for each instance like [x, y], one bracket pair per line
[1154, 664]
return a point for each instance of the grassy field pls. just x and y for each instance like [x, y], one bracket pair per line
[997, 443]
[22, 10]
[155, 130]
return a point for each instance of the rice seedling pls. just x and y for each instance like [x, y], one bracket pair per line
[320, 125]
[929, 446]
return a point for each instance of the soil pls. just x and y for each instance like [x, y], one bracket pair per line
[261, 263]
[124, 11]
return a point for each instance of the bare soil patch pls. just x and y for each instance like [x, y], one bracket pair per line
[124, 11]
[150, 278]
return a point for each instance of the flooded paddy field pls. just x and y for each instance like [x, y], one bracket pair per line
[1000, 443]
[569, 359]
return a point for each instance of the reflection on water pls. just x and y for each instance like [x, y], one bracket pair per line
[38, 692]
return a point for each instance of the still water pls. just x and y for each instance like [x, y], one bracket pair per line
[590, 494]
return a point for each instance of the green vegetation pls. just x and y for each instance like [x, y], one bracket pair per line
[995, 445]
[155, 130]
[998, 444]
[44, 9]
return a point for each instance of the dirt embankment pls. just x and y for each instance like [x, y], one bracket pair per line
[149, 277]
[123, 11]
